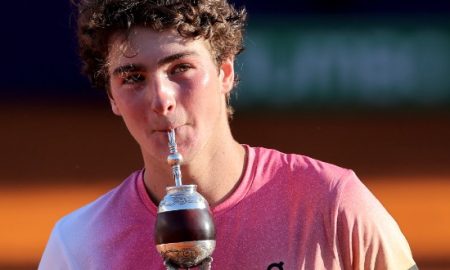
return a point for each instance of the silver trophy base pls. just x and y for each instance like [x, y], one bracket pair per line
[186, 254]
[205, 264]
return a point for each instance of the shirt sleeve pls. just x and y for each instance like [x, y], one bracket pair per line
[54, 256]
[367, 235]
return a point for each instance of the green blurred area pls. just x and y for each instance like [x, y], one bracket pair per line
[344, 62]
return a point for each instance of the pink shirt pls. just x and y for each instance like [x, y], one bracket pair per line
[289, 212]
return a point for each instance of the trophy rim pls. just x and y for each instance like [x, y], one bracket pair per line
[181, 187]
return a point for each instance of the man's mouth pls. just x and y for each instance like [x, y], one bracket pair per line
[168, 128]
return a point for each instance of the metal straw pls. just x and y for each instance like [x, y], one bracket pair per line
[174, 159]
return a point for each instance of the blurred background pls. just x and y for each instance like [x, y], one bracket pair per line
[362, 84]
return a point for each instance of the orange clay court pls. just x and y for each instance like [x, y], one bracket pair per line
[56, 159]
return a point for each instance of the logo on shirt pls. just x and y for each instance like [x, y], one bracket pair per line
[275, 266]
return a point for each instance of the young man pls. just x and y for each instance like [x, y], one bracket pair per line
[169, 64]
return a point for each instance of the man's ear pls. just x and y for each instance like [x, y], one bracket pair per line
[114, 107]
[227, 75]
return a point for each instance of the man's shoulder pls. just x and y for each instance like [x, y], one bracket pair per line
[78, 237]
[88, 215]
[300, 174]
[296, 163]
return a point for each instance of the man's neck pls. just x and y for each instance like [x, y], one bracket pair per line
[216, 173]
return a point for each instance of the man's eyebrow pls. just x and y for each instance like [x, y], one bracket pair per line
[127, 69]
[174, 57]
[162, 61]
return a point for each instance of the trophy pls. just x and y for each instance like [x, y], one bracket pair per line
[184, 232]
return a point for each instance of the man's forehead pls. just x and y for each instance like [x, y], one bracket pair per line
[140, 40]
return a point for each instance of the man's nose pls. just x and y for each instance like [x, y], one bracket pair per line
[162, 97]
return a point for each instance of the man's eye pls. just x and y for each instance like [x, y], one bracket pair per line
[133, 78]
[181, 68]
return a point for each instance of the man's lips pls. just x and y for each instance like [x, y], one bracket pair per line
[167, 129]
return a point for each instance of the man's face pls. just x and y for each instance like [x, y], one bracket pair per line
[159, 81]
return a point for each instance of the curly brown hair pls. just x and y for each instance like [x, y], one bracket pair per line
[216, 21]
